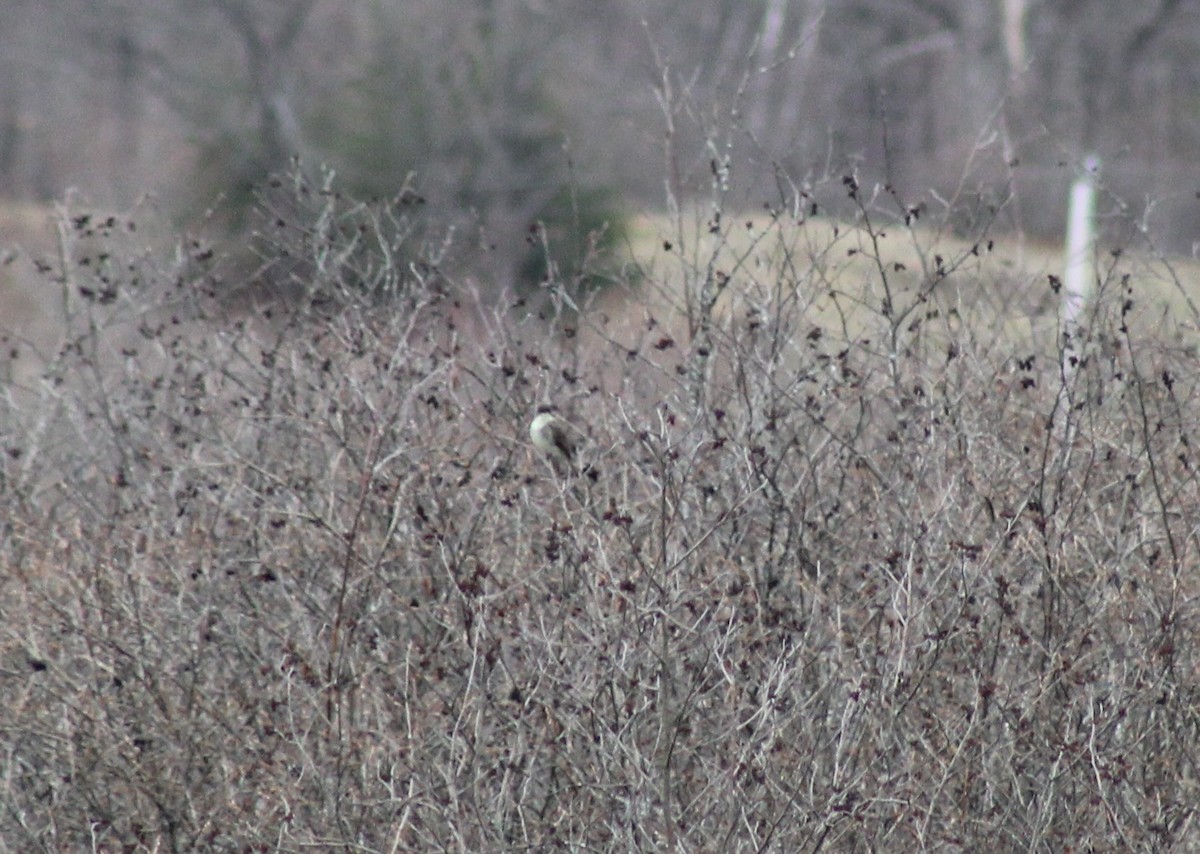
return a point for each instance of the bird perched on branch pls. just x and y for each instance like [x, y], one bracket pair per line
[553, 437]
[563, 444]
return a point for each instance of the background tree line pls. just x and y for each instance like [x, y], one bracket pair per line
[515, 111]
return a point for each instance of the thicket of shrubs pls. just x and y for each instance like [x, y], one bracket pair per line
[845, 572]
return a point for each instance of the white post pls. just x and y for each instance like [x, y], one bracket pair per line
[1079, 273]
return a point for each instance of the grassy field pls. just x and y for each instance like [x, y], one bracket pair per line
[989, 288]
[1000, 288]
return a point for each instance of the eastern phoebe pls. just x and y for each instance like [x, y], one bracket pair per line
[552, 436]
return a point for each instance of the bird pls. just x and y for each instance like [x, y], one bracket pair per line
[552, 436]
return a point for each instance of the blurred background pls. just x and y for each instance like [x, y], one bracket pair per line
[573, 112]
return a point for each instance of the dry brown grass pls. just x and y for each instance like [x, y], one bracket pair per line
[999, 285]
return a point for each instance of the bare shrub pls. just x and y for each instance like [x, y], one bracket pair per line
[842, 571]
